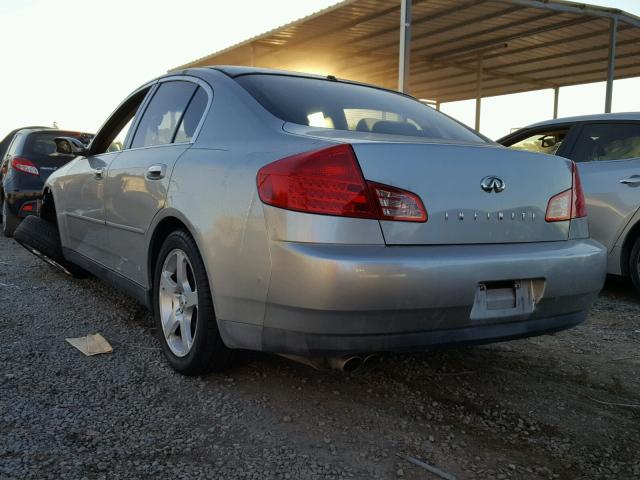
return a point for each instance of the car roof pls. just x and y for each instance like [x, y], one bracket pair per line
[56, 131]
[588, 118]
[237, 70]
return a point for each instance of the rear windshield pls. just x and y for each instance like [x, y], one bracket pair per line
[344, 106]
[41, 144]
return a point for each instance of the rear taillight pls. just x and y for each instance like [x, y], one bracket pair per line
[579, 207]
[329, 182]
[568, 204]
[24, 165]
[396, 204]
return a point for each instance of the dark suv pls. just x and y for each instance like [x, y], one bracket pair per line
[28, 161]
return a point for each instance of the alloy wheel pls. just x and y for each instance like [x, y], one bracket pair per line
[178, 302]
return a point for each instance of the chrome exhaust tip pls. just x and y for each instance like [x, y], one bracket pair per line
[346, 364]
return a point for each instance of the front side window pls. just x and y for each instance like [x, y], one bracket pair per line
[345, 106]
[542, 142]
[117, 143]
[163, 114]
[607, 141]
[112, 136]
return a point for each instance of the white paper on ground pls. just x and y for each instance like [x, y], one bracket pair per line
[92, 344]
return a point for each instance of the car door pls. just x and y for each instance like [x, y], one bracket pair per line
[608, 159]
[138, 179]
[82, 184]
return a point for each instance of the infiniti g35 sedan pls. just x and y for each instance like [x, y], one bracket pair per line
[313, 217]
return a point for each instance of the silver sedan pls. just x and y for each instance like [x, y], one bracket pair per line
[606, 149]
[313, 217]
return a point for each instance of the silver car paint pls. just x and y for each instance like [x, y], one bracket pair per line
[613, 207]
[258, 266]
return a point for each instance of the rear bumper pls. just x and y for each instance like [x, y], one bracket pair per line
[320, 345]
[341, 299]
[16, 201]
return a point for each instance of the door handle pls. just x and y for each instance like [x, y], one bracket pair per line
[98, 173]
[156, 172]
[632, 180]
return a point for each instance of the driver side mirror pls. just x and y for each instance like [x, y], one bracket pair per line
[70, 146]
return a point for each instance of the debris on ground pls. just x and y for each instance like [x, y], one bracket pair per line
[92, 344]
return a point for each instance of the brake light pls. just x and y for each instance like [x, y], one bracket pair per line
[396, 204]
[24, 165]
[579, 207]
[568, 204]
[329, 182]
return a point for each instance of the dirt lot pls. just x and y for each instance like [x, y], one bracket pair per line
[565, 406]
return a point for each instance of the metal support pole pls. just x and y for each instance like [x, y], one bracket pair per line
[611, 70]
[479, 93]
[556, 99]
[404, 60]
[438, 105]
[252, 56]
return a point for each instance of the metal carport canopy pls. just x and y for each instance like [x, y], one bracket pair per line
[450, 50]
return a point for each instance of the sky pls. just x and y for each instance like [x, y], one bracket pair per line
[73, 61]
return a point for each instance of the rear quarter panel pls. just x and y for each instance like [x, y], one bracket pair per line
[213, 186]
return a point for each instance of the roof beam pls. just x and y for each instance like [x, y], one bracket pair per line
[337, 28]
[445, 95]
[489, 43]
[426, 18]
[515, 36]
[581, 9]
[570, 53]
[553, 43]
[423, 18]
[487, 31]
[565, 66]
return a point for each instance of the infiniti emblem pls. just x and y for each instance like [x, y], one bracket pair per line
[492, 184]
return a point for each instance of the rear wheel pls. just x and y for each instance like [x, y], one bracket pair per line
[10, 221]
[634, 264]
[183, 309]
[43, 240]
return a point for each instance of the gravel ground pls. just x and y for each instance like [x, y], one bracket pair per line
[565, 406]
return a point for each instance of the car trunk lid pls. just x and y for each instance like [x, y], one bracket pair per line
[448, 179]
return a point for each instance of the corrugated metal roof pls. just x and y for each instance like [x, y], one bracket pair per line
[524, 45]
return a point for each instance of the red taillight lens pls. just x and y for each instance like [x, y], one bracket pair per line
[559, 207]
[568, 204]
[24, 165]
[579, 208]
[329, 182]
[396, 204]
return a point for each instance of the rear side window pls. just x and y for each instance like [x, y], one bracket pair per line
[344, 106]
[607, 141]
[192, 116]
[14, 144]
[163, 114]
[42, 144]
[542, 142]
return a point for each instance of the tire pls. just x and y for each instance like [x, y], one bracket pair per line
[43, 240]
[9, 221]
[186, 302]
[634, 265]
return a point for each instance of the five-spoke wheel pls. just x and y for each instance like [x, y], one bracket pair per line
[183, 308]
